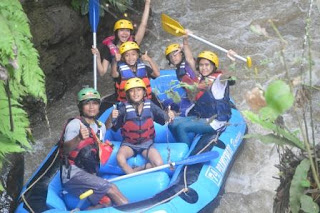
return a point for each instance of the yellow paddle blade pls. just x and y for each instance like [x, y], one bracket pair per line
[249, 62]
[171, 26]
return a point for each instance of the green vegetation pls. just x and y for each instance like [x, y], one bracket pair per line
[20, 76]
[119, 5]
[300, 170]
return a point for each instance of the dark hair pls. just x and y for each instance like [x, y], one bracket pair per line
[168, 58]
[116, 39]
[81, 103]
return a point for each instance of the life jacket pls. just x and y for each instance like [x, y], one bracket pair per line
[109, 42]
[208, 80]
[207, 106]
[126, 73]
[86, 154]
[138, 129]
[184, 69]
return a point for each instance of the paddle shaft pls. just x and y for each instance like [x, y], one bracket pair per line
[142, 172]
[204, 157]
[173, 27]
[95, 61]
[94, 21]
[216, 46]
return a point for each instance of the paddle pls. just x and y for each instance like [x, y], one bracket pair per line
[173, 27]
[201, 158]
[82, 198]
[94, 6]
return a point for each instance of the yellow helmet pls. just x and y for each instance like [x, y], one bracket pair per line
[134, 83]
[209, 56]
[128, 45]
[123, 24]
[171, 48]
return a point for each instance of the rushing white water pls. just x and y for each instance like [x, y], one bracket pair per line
[250, 186]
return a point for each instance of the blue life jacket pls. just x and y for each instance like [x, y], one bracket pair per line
[185, 69]
[207, 106]
[126, 73]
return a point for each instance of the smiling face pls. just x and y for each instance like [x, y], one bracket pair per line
[205, 67]
[123, 35]
[175, 57]
[90, 108]
[131, 57]
[136, 94]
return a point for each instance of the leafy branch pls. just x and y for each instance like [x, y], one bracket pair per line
[119, 5]
[279, 99]
[20, 76]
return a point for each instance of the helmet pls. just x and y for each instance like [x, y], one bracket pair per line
[209, 56]
[87, 94]
[171, 48]
[134, 83]
[123, 24]
[128, 45]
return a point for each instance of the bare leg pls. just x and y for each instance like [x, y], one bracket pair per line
[123, 154]
[153, 156]
[116, 196]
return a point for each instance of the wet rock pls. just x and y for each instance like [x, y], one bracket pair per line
[261, 200]
[12, 180]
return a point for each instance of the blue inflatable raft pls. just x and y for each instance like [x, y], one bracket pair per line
[184, 188]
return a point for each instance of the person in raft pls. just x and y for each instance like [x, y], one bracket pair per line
[187, 69]
[181, 58]
[123, 32]
[135, 117]
[131, 66]
[211, 109]
[80, 154]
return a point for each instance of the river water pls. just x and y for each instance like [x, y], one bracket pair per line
[251, 185]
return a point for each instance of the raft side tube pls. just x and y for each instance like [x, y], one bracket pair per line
[177, 152]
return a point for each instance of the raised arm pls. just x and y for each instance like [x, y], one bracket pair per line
[188, 53]
[144, 21]
[114, 69]
[155, 69]
[101, 66]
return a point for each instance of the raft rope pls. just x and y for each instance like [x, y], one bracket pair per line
[27, 189]
[185, 189]
[168, 147]
[167, 133]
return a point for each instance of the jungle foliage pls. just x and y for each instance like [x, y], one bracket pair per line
[20, 76]
[279, 99]
[119, 5]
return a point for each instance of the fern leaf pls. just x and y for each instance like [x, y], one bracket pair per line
[7, 146]
[19, 118]
[6, 41]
